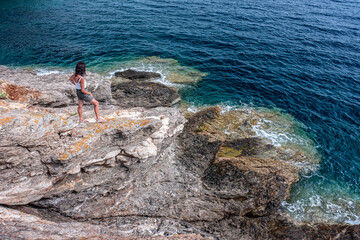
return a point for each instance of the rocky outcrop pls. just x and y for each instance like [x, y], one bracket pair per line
[55, 91]
[137, 75]
[231, 171]
[146, 173]
[144, 94]
[140, 91]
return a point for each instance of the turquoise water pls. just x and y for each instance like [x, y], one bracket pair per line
[298, 56]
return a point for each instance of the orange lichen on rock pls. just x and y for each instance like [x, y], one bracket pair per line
[144, 122]
[78, 145]
[75, 148]
[96, 129]
[63, 156]
[6, 120]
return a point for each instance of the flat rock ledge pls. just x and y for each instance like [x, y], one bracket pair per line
[143, 94]
[147, 173]
[137, 75]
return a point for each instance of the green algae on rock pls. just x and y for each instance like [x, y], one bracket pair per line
[272, 127]
[229, 152]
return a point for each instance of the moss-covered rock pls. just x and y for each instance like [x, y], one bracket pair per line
[228, 152]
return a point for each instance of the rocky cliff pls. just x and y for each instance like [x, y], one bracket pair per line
[147, 173]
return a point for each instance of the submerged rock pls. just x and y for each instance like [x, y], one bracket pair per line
[185, 78]
[171, 71]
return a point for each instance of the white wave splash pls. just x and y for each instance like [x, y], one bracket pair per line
[324, 208]
[44, 71]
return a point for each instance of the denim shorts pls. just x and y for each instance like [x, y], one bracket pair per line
[83, 96]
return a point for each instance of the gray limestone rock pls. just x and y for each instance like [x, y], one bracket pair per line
[65, 157]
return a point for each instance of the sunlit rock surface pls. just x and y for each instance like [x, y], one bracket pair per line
[41, 150]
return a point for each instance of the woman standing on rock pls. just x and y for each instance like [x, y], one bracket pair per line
[81, 91]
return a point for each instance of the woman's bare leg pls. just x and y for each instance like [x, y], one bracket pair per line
[96, 108]
[80, 109]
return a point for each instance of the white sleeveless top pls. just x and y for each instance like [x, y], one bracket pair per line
[77, 83]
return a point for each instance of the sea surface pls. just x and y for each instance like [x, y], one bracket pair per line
[298, 59]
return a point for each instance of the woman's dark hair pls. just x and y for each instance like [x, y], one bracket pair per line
[80, 69]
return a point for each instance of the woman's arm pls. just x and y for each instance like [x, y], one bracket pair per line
[82, 84]
[71, 79]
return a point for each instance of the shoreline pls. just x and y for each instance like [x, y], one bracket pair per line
[261, 132]
[211, 124]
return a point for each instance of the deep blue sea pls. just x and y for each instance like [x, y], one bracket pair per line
[302, 57]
